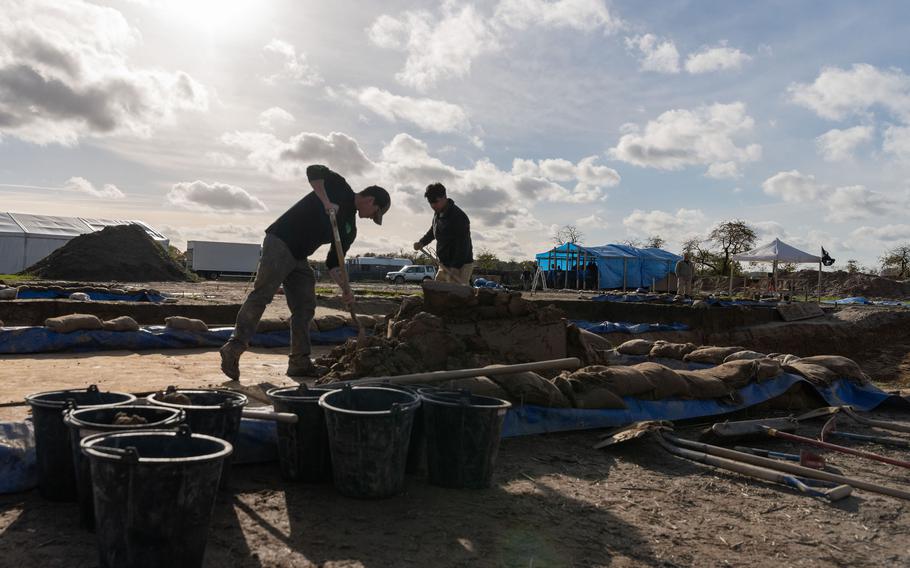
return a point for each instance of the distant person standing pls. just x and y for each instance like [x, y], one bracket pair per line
[289, 242]
[685, 272]
[451, 229]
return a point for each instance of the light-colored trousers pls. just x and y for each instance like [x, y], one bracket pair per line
[456, 275]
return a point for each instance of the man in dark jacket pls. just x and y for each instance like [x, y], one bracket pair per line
[289, 242]
[452, 230]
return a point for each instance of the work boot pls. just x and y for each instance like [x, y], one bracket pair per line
[230, 358]
[302, 367]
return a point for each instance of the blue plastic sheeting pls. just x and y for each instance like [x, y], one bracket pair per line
[627, 327]
[617, 266]
[747, 303]
[527, 420]
[484, 283]
[24, 340]
[94, 295]
[854, 300]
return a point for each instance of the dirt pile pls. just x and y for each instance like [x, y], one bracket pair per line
[123, 253]
[868, 285]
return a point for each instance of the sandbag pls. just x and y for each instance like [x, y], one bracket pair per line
[185, 324]
[73, 322]
[844, 367]
[329, 322]
[745, 355]
[711, 355]
[703, 387]
[531, 388]
[784, 358]
[482, 386]
[80, 297]
[9, 293]
[815, 374]
[602, 398]
[624, 381]
[267, 325]
[735, 374]
[122, 323]
[564, 384]
[767, 369]
[635, 347]
[672, 350]
[667, 382]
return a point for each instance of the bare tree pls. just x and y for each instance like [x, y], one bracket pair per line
[852, 266]
[567, 234]
[897, 258]
[730, 237]
[655, 241]
[633, 242]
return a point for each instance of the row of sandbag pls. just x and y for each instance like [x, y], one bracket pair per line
[77, 322]
[818, 369]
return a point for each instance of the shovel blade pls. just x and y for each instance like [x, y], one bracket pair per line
[811, 459]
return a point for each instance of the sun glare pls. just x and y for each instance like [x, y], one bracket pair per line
[215, 15]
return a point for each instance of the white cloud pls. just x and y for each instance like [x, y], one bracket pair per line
[583, 15]
[838, 93]
[842, 203]
[672, 226]
[658, 56]
[64, 75]
[213, 198]
[792, 186]
[592, 221]
[680, 138]
[721, 58]
[445, 45]
[536, 178]
[723, 170]
[838, 145]
[857, 202]
[108, 191]
[897, 142]
[884, 233]
[221, 159]
[273, 116]
[294, 66]
[429, 114]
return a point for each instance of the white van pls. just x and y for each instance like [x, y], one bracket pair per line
[412, 273]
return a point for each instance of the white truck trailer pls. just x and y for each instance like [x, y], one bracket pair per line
[211, 259]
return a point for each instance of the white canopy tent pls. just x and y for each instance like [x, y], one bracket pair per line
[775, 252]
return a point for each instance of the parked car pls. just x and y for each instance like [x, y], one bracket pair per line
[412, 273]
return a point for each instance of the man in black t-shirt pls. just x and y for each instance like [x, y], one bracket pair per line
[452, 230]
[289, 242]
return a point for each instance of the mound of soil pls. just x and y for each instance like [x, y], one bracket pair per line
[122, 253]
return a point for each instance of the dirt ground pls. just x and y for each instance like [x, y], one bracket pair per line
[555, 501]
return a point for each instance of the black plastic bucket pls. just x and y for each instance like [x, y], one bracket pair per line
[214, 412]
[154, 491]
[89, 421]
[417, 445]
[463, 432]
[369, 430]
[56, 473]
[303, 448]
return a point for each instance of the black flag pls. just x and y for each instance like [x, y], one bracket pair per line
[826, 258]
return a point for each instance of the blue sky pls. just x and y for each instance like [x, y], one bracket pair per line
[627, 119]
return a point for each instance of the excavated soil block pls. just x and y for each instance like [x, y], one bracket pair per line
[34, 312]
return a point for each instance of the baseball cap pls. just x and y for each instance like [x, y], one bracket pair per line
[381, 199]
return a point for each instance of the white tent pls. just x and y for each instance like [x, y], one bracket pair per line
[775, 252]
[26, 239]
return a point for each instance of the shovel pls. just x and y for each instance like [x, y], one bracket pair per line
[361, 332]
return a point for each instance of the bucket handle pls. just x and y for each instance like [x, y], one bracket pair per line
[184, 431]
[92, 388]
[128, 454]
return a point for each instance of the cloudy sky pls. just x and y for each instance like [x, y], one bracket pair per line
[625, 118]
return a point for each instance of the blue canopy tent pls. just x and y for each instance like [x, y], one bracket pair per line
[605, 266]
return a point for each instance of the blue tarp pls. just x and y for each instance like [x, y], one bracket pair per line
[627, 327]
[21, 340]
[617, 266]
[484, 283]
[98, 296]
[527, 420]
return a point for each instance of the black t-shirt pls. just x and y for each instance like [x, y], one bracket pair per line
[452, 230]
[306, 226]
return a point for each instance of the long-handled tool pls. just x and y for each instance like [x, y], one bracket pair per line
[361, 332]
[835, 493]
[570, 363]
[829, 430]
[834, 447]
[895, 426]
[790, 468]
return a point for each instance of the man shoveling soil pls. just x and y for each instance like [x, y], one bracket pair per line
[288, 243]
